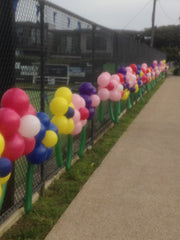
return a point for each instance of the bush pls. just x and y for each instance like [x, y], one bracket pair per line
[176, 71]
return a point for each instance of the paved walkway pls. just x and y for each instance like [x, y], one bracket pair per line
[135, 193]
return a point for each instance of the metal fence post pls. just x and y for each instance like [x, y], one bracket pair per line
[42, 67]
[116, 50]
[7, 71]
[93, 75]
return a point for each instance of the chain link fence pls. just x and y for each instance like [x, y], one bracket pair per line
[51, 47]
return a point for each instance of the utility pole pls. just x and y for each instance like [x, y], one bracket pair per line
[153, 20]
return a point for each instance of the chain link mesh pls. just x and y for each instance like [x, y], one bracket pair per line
[59, 49]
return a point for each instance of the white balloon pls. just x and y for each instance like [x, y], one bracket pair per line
[30, 126]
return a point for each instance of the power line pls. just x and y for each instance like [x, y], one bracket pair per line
[165, 12]
[138, 13]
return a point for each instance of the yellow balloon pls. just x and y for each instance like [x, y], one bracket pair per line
[64, 92]
[61, 122]
[50, 139]
[125, 96]
[70, 126]
[2, 144]
[0, 190]
[137, 88]
[71, 105]
[58, 106]
[5, 179]
[141, 73]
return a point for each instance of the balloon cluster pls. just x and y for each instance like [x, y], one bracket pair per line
[92, 100]
[18, 126]
[45, 140]
[63, 109]
[110, 86]
[81, 113]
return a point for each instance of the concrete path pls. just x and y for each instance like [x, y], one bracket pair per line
[135, 193]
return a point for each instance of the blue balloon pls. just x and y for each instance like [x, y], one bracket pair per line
[53, 127]
[49, 153]
[70, 112]
[5, 167]
[44, 118]
[38, 155]
[39, 137]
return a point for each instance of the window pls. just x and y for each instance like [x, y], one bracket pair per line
[100, 43]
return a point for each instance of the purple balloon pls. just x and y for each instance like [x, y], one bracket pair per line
[122, 70]
[86, 88]
[91, 113]
[87, 99]
[133, 89]
[94, 91]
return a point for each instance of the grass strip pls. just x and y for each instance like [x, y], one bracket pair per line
[48, 209]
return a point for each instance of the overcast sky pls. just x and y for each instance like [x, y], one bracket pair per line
[125, 14]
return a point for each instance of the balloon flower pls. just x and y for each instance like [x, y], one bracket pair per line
[110, 88]
[90, 101]
[18, 127]
[63, 109]
[45, 140]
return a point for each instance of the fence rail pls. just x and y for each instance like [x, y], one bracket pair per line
[51, 47]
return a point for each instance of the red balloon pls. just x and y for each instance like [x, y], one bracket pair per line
[144, 78]
[134, 67]
[121, 77]
[14, 147]
[9, 121]
[143, 70]
[17, 99]
[84, 112]
[31, 111]
[110, 86]
[29, 145]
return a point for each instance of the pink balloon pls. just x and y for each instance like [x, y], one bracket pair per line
[131, 83]
[115, 77]
[84, 122]
[103, 79]
[78, 101]
[14, 147]
[128, 77]
[115, 95]
[16, 99]
[77, 116]
[77, 128]
[9, 121]
[95, 100]
[103, 94]
[115, 83]
[129, 70]
[120, 87]
[144, 65]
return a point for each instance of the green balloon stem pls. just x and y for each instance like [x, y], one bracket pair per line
[82, 142]
[29, 188]
[116, 112]
[140, 95]
[119, 107]
[128, 103]
[101, 114]
[59, 158]
[69, 152]
[111, 111]
[4, 187]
